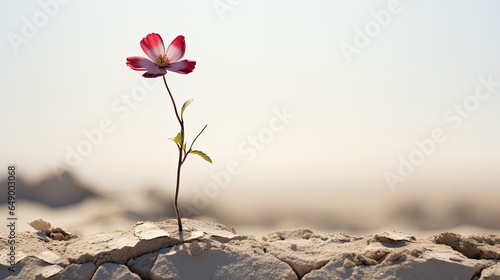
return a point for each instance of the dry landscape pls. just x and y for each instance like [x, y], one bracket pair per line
[207, 250]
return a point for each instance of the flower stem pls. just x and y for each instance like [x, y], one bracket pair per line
[181, 158]
[177, 214]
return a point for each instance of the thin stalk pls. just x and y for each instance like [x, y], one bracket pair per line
[173, 102]
[177, 184]
[180, 160]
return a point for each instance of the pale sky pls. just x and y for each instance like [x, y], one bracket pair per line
[304, 97]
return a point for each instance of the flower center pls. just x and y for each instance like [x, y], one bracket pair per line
[162, 60]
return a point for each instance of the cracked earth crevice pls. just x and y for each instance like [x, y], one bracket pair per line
[481, 246]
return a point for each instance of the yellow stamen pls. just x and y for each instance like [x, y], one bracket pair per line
[162, 60]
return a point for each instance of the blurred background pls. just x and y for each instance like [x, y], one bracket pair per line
[334, 115]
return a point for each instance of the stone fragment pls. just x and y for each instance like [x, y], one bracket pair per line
[234, 263]
[52, 258]
[143, 264]
[76, 271]
[492, 272]
[51, 270]
[482, 246]
[303, 249]
[393, 236]
[28, 268]
[114, 271]
[147, 231]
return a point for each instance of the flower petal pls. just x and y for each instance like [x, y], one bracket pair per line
[176, 49]
[156, 73]
[143, 64]
[153, 46]
[140, 63]
[182, 67]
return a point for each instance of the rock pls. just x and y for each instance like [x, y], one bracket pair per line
[50, 271]
[115, 247]
[393, 236]
[483, 246]
[143, 264]
[30, 268]
[52, 258]
[45, 230]
[302, 249]
[211, 260]
[389, 255]
[491, 273]
[148, 231]
[114, 271]
[76, 271]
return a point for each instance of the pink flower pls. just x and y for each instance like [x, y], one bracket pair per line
[161, 60]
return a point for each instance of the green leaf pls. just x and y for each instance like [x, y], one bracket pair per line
[201, 154]
[177, 139]
[185, 105]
